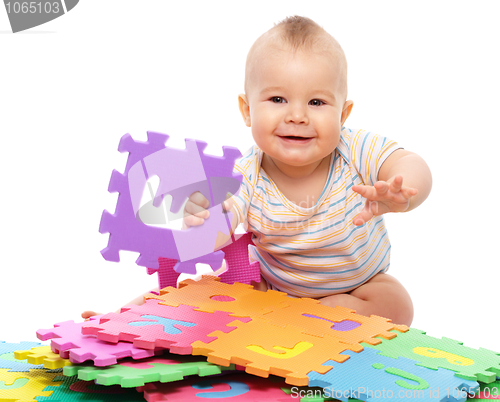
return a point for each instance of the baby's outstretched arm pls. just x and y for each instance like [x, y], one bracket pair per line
[404, 183]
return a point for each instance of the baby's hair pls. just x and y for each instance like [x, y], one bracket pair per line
[302, 33]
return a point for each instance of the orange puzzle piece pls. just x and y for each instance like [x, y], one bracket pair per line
[209, 295]
[266, 349]
[337, 322]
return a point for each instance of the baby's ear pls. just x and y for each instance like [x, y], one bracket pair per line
[346, 111]
[244, 108]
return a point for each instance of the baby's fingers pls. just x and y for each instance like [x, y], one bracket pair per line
[396, 184]
[409, 192]
[368, 212]
[368, 192]
[195, 211]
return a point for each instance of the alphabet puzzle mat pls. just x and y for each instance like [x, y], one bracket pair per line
[346, 354]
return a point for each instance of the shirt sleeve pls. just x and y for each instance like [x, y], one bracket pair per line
[367, 152]
[246, 166]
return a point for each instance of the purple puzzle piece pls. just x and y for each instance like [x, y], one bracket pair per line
[67, 340]
[153, 158]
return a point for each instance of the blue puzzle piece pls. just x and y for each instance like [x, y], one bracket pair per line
[372, 377]
[12, 347]
[8, 361]
[168, 323]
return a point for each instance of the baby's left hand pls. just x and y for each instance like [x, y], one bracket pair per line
[383, 197]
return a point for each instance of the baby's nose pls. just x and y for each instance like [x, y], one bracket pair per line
[297, 114]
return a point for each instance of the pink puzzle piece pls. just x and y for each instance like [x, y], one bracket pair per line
[239, 269]
[67, 340]
[230, 388]
[153, 325]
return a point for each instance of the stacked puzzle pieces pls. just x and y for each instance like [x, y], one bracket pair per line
[247, 345]
[150, 352]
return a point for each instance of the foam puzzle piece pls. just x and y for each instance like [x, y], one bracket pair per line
[73, 390]
[372, 377]
[241, 300]
[469, 363]
[43, 356]
[12, 347]
[8, 360]
[151, 158]
[338, 322]
[282, 351]
[26, 386]
[239, 268]
[153, 325]
[68, 341]
[131, 373]
[230, 388]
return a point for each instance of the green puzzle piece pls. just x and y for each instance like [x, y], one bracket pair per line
[131, 373]
[468, 363]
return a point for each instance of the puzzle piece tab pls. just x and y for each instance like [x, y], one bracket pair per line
[69, 342]
[468, 363]
[372, 377]
[131, 373]
[153, 325]
[283, 351]
[43, 356]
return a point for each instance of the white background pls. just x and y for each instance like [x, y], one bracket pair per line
[423, 73]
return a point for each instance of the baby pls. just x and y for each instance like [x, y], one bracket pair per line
[307, 178]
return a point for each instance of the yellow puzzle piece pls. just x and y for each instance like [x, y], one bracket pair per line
[25, 386]
[42, 355]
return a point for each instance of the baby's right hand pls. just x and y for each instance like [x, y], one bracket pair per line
[195, 211]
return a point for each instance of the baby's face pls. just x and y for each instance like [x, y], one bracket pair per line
[295, 105]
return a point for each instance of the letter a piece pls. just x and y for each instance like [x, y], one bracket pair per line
[267, 349]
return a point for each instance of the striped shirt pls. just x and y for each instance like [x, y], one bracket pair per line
[317, 251]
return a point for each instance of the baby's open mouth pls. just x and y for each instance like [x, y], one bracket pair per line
[295, 138]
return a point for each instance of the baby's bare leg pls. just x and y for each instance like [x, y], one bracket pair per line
[383, 295]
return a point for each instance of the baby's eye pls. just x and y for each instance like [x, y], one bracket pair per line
[316, 102]
[277, 99]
